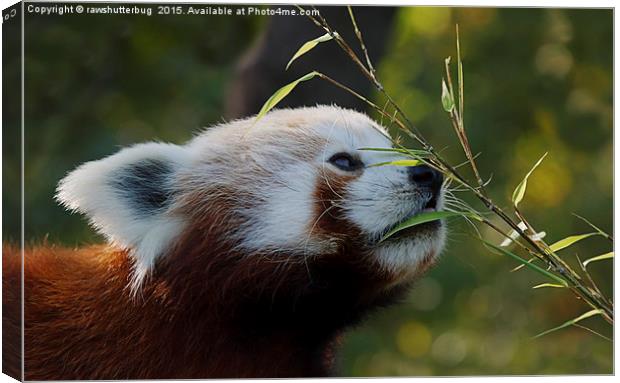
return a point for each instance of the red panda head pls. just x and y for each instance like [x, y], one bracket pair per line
[292, 188]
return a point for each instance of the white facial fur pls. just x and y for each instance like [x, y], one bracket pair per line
[382, 195]
[270, 168]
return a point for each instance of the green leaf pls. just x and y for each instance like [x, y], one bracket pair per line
[447, 100]
[566, 242]
[415, 152]
[308, 46]
[396, 150]
[601, 232]
[601, 257]
[424, 218]
[572, 321]
[397, 163]
[548, 285]
[281, 93]
[519, 192]
[459, 65]
[527, 264]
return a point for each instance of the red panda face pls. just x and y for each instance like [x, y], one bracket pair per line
[301, 187]
[293, 184]
[364, 201]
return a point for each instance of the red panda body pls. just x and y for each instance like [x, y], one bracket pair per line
[81, 322]
[245, 253]
[70, 334]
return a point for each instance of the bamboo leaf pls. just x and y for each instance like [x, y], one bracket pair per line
[548, 285]
[522, 265]
[308, 46]
[601, 257]
[447, 100]
[394, 150]
[527, 264]
[601, 232]
[517, 195]
[424, 218]
[416, 152]
[571, 322]
[397, 163]
[459, 64]
[281, 93]
[566, 242]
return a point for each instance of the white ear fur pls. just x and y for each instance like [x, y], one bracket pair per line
[126, 197]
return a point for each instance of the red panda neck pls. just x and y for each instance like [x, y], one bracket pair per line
[237, 313]
[262, 315]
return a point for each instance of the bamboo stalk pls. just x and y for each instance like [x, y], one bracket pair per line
[537, 248]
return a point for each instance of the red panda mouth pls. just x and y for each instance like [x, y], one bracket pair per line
[423, 228]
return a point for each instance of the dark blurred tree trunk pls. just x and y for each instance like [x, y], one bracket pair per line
[261, 70]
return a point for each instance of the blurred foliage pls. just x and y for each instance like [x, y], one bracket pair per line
[536, 80]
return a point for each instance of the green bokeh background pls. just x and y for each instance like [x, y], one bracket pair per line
[536, 81]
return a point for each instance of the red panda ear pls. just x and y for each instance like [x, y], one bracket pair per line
[127, 197]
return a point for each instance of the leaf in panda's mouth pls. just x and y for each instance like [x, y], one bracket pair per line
[420, 219]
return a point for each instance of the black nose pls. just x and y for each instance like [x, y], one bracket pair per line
[425, 176]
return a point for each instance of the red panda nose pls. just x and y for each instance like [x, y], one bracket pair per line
[425, 176]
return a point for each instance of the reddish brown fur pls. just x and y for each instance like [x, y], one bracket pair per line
[207, 311]
[329, 193]
[11, 314]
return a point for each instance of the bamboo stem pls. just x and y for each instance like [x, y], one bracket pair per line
[538, 248]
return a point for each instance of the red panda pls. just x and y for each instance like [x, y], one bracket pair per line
[243, 253]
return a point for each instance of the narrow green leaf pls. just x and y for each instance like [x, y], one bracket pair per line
[397, 150]
[423, 218]
[459, 64]
[281, 93]
[397, 163]
[566, 242]
[446, 97]
[571, 322]
[527, 264]
[517, 195]
[601, 257]
[415, 152]
[601, 232]
[308, 46]
[548, 285]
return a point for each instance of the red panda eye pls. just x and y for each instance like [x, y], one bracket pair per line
[346, 162]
